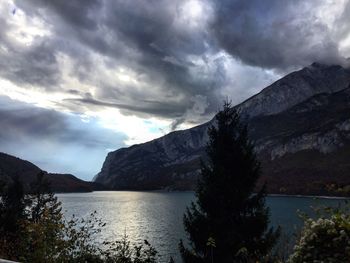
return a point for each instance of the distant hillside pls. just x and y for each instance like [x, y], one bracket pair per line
[11, 166]
[301, 126]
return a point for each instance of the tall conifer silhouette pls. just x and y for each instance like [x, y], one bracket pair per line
[228, 221]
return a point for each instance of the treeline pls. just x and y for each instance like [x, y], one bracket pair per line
[227, 223]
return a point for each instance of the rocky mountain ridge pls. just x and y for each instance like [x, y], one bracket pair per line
[295, 88]
[299, 117]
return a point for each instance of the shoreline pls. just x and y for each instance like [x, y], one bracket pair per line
[310, 196]
[190, 191]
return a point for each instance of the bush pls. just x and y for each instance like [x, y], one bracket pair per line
[325, 239]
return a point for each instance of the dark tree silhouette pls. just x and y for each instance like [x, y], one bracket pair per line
[43, 199]
[12, 214]
[12, 205]
[228, 222]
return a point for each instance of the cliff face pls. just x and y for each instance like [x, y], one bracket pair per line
[295, 88]
[172, 160]
[301, 117]
[305, 149]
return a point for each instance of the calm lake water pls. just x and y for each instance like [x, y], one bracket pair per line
[157, 216]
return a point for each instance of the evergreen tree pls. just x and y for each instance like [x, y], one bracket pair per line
[12, 215]
[228, 222]
[44, 238]
[12, 206]
[44, 200]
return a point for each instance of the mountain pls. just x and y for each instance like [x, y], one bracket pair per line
[300, 125]
[11, 166]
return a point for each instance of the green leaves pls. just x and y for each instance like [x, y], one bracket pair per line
[326, 238]
[211, 242]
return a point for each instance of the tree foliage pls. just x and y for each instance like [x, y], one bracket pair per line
[324, 239]
[33, 229]
[12, 214]
[228, 222]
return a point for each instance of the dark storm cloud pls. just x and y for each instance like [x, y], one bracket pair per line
[36, 65]
[167, 49]
[154, 108]
[153, 30]
[25, 122]
[33, 122]
[275, 34]
[77, 13]
[148, 36]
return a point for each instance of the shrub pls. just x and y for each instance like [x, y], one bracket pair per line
[325, 239]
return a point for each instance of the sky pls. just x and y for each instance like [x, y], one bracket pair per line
[81, 78]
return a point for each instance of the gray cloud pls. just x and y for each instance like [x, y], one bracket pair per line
[275, 34]
[342, 22]
[146, 107]
[148, 37]
[77, 13]
[35, 65]
[21, 122]
[171, 53]
[55, 141]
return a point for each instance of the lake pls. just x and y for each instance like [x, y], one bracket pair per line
[157, 216]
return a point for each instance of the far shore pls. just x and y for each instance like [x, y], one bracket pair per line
[190, 191]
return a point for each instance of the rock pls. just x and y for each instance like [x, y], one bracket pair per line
[305, 115]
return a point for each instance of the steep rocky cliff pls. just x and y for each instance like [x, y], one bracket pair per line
[301, 126]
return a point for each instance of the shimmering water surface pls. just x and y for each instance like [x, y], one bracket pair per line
[157, 216]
